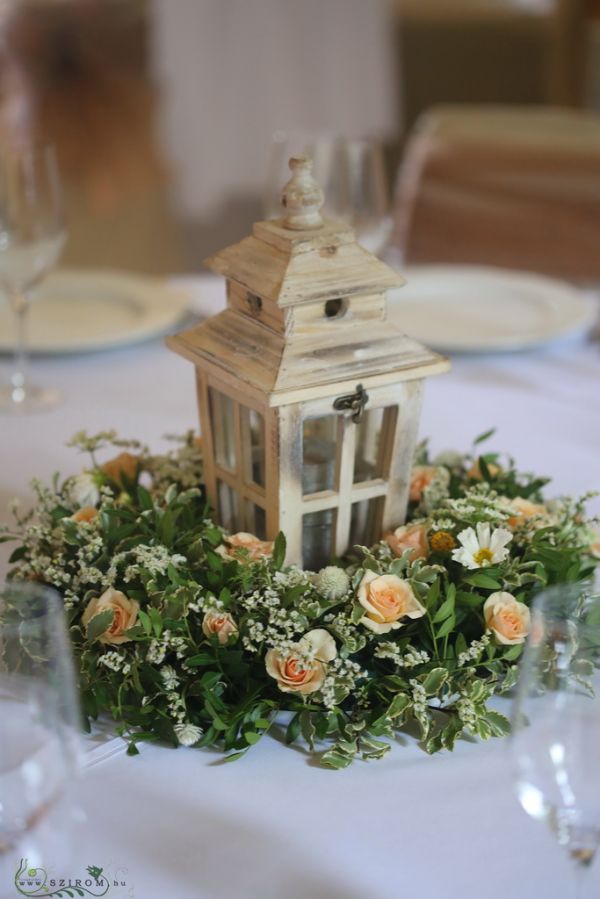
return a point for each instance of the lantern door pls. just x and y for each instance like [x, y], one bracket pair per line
[238, 464]
[344, 477]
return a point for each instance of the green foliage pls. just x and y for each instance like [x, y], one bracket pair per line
[207, 629]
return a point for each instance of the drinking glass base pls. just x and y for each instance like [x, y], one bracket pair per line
[23, 400]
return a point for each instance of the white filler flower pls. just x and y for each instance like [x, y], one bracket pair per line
[187, 734]
[483, 547]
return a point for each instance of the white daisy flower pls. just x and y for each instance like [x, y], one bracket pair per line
[187, 734]
[482, 547]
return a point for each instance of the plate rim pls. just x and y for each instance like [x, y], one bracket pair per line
[585, 314]
[145, 288]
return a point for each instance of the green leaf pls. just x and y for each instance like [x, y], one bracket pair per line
[235, 756]
[279, 549]
[513, 652]
[334, 759]
[433, 594]
[251, 737]
[144, 499]
[156, 621]
[263, 723]
[308, 729]
[485, 436]
[99, 624]
[483, 580]
[499, 724]
[200, 660]
[398, 706]
[19, 553]
[445, 610]
[145, 621]
[217, 721]
[447, 627]
[132, 749]
[167, 528]
[434, 681]
[293, 729]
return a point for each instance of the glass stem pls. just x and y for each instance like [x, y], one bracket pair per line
[20, 304]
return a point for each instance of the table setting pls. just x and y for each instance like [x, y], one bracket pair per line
[339, 635]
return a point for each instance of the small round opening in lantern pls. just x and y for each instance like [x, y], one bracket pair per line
[336, 308]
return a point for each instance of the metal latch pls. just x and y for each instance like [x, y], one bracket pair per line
[356, 402]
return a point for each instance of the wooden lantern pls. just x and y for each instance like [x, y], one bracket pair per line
[309, 396]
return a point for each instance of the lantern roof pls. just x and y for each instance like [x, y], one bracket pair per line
[293, 268]
[306, 310]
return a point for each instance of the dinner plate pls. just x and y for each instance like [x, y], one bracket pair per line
[79, 310]
[469, 309]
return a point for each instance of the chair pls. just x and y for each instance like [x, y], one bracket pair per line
[490, 51]
[513, 187]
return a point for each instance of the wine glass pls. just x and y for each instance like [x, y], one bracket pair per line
[39, 725]
[556, 720]
[351, 172]
[32, 235]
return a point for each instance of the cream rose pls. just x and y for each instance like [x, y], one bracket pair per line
[386, 599]
[125, 614]
[304, 667]
[255, 548]
[508, 619]
[413, 537]
[525, 509]
[220, 623]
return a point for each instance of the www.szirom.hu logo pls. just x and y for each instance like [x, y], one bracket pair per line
[36, 882]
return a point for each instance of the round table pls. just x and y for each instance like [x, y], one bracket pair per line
[274, 825]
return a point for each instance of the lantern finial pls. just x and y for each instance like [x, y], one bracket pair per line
[302, 197]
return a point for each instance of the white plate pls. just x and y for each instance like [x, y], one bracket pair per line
[79, 310]
[470, 309]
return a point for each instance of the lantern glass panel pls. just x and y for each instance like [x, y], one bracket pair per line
[317, 538]
[319, 454]
[256, 520]
[229, 507]
[222, 416]
[373, 433]
[365, 521]
[253, 445]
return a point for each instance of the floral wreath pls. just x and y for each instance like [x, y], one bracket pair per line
[190, 636]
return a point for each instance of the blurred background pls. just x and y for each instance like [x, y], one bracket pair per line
[173, 118]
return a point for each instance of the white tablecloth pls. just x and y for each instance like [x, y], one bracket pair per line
[275, 826]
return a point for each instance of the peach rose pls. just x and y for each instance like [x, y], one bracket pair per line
[524, 510]
[87, 514]
[413, 537]
[220, 623]
[255, 548]
[304, 667]
[125, 614]
[386, 599]
[508, 619]
[125, 465]
[421, 477]
[476, 473]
